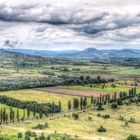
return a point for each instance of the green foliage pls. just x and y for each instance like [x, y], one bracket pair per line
[106, 116]
[41, 126]
[132, 137]
[34, 106]
[19, 135]
[75, 116]
[101, 129]
[99, 107]
[114, 106]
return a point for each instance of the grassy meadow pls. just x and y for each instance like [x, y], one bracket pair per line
[107, 88]
[85, 127]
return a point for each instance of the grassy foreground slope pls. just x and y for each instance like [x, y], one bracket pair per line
[86, 129]
[83, 128]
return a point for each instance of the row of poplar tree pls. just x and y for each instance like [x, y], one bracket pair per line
[82, 103]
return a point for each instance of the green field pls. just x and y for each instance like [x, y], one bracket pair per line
[99, 88]
[83, 128]
[38, 67]
[39, 96]
[21, 75]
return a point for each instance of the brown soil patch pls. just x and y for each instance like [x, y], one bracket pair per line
[73, 92]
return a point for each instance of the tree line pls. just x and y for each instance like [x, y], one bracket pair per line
[12, 116]
[81, 80]
[118, 98]
[26, 83]
[32, 106]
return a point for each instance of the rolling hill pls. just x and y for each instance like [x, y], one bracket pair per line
[92, 53]
[89, 53]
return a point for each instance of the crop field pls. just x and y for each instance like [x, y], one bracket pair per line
[99, 89]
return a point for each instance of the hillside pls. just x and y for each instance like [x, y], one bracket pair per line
[89, 53]
[106, 54]
[43, 52]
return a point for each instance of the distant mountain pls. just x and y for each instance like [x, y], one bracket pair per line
[43, 52]
[89, 53]
[92, 53]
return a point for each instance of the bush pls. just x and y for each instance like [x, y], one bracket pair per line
[113, 85]
[99, 115]
[121, 118]
[27, 137]
[75, 116]
[126, 123]
[101, 129]
[119, 102]
[106, 116]
[30, 134]
[132, 120]
[89, 118]
[99, 107]
[132, 137]
[19, 135]
[114, 106]
[41, 126]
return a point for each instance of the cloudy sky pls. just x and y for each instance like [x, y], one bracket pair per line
[70, 24]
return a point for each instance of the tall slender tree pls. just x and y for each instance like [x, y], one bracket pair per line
[17, 115]
[11, 114]
[60, 106]
[34, 110]
[69, 105]
[85, 102]
[92, 100]
[81, 103]
[28, 111]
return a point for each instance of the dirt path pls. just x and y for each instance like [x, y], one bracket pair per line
[73, 92]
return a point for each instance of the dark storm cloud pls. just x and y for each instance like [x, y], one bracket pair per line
[108, 22]
[58, 16]
[24, 13]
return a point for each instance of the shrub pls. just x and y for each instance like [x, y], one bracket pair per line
[114, 106]
[121, 118]
[132, 137]
[101, 129]
[119, 102]
[113, 85]
[99, 115]
[19, 135]
[89, 118]
[41, 126]
[36, 138]
[126, 123]
[27, 137]
[28, 133]
[99, 107]
[106, 116]
[132, 120]
[75, 116]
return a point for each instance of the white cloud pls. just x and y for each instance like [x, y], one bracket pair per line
[72, 23]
